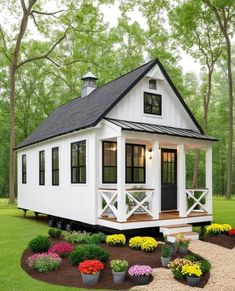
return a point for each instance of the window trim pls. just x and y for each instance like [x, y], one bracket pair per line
[150, 80]
[71, 163]
[40, 170]
[53, 170]
[24, 173]
[103, 182]
[150, 113]
[132, 164]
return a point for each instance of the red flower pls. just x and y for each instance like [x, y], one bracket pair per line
[231, 232]
[62, 249]
[90, 267]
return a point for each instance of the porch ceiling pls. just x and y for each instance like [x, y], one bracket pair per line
[159, 129]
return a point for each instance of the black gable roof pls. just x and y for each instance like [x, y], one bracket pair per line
[86, 112]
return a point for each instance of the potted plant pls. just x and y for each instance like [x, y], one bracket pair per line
[193, 274]
[182, 243]
[90, 271]
[119, 268]
[140, 274]
[172, 246]
[165, 255]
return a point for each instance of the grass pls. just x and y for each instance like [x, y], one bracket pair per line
[224, 210]
[16, 232]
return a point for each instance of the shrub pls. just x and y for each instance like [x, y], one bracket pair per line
[202, 233]
[148, 244]
[54, 232]
[95, 238]
[135, 242]
[192, 270]
[116, 240]
[44, 262]
[88, 252]
[205, 266]
[165, 251]
[62, 249]
[192, 258]
[76, 236]
[39, 244]
[90, 267]
[119, 265]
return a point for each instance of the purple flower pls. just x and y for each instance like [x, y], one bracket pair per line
[140, 270]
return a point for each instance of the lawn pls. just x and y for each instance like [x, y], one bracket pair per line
[15, 233]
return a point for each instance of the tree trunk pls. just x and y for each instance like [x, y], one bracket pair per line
[230, 134]
[196, 169]
[12, 136]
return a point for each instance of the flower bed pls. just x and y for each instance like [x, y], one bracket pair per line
[68, 275]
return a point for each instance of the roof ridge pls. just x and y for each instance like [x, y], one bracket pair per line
[108, 82]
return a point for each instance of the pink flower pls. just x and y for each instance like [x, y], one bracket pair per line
[140, 270]
[35, 257]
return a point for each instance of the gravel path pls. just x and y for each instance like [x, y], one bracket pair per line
[222, 276]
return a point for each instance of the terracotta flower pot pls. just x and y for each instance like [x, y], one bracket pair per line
[91, 278]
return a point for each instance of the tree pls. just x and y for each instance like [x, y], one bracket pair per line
[224, 12]
[195, 31]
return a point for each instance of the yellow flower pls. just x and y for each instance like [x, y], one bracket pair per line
[116, 239]
[136, 242]
[192, 270]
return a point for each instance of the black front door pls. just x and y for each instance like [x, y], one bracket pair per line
[169, 179]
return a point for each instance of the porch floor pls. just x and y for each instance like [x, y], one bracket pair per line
[162, 216]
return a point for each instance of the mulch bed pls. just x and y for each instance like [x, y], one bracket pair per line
[68, 275]
[222, 240]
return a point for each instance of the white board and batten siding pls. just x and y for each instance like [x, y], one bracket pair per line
[73, 201]
[131, 106]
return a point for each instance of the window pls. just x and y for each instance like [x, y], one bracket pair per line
[109, 162]
[24, 174]
[153, 84]
[42, 168]
[55, 166]
[135, 163]
[78, 162]
[152, 103]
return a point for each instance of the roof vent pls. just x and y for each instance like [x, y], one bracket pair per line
[89, 84]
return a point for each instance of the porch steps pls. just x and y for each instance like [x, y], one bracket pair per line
[171, 231]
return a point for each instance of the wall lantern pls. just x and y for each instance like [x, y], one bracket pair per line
[150, 153]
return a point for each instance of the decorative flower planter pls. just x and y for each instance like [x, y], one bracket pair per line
[172, 250]
[193, 281]
[141, 280]
[165, 261]
[183, 250]
[119, 277]
[90, 279]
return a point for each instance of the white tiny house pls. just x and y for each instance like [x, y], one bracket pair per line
[115, 157]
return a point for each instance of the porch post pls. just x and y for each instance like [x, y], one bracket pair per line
[156, 180]
[181, 194]
[121, 195]
[209, 179]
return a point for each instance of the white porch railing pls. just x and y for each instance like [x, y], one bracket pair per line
[197, 200]
[137, 201]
